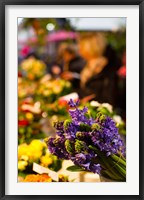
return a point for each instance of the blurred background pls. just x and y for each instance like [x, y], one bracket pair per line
[63, 44]
[63, 58]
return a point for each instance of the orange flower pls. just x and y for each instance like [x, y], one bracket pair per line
[37, 178]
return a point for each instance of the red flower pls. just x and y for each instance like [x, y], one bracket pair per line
[23, 122]
[62, 102]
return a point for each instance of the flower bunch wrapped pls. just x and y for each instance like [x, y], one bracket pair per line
[93, 144]
[36, 152]
[32, 68]
[29, 121]
[52, 89]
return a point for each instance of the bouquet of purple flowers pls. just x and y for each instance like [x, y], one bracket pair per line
[93, 145]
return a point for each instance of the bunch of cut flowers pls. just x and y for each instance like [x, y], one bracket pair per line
[36, 152]
[92, 144]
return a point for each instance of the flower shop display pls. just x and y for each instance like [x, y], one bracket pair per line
[50, 90]
[29, 121]
[36, 152]
[32, 68]
[93, 144]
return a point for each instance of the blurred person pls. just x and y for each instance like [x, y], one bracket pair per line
[57, 63]
[73, 64]
[99, 75]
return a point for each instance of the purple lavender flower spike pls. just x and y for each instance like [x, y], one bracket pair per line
[73, 104]
[76, 135]
[95, 168]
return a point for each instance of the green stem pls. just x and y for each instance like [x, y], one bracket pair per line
[105, 172]
[118, 159]
[114, 169]
[120, 169]
[112, 172]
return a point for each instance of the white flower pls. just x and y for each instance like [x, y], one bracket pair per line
[117, 119]
[108, 106]
[95, 103]
[73, 96]
[31, 108]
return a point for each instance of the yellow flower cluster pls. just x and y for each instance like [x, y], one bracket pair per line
[46, 160]
[33, 67]
[34, 152]
[53, 87]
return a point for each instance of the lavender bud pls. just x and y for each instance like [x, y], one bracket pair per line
[80, 146]
[79, 135]
[67, 122]
[69, 146]
[95, 126]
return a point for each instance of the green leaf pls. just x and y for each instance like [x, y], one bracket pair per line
[75, 168]
[56, 165]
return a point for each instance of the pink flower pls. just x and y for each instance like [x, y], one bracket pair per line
[25, 51]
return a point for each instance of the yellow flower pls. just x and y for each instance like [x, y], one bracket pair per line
[35, 149]
[57, 89]
[22, 165]
[29, 116]
[49, 84]
[34, 154]
[37, 144]
[47, 92]
[24, 157]
[46, 160]
[22, 150]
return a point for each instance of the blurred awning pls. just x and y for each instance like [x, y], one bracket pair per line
[98, 23]
[61, 35]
